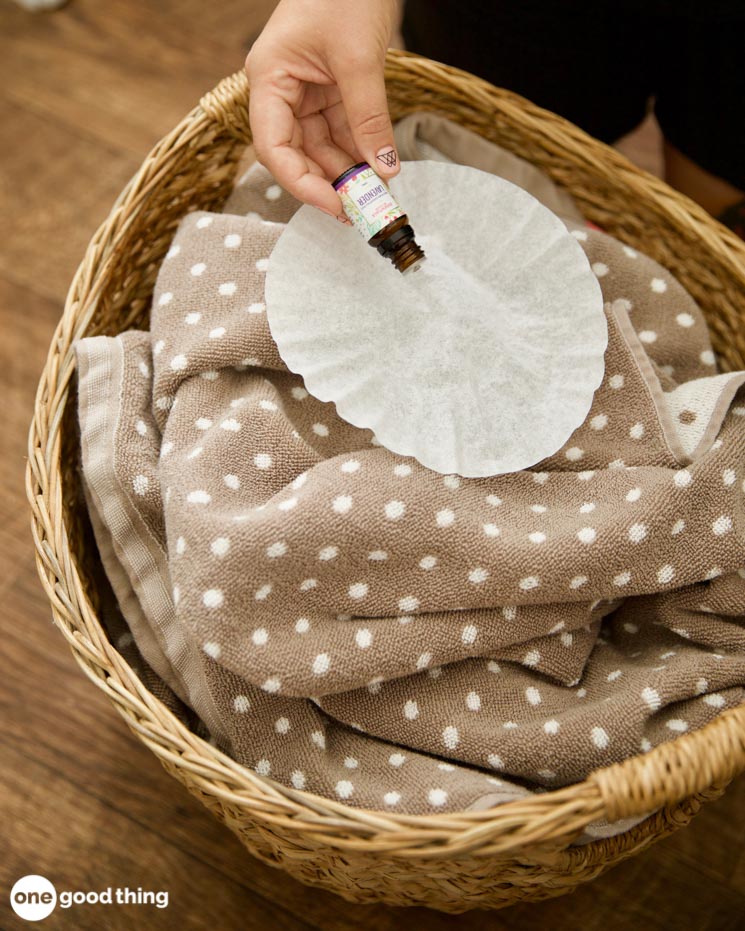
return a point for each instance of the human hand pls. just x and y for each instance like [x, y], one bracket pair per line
[318, 102]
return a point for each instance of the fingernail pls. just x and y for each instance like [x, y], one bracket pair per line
[344, 219]
[387, 158]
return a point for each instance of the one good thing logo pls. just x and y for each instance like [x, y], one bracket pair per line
[33, 897]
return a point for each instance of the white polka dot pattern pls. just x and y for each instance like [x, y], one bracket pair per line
[358, 619]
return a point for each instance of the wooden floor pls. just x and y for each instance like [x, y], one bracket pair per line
[84, 93]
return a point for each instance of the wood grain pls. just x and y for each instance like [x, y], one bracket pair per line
[84, 93]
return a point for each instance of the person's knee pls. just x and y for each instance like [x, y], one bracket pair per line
[713, 193]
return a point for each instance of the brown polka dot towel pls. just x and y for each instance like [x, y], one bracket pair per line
[347, 622]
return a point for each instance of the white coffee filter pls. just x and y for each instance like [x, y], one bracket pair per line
[482, 362]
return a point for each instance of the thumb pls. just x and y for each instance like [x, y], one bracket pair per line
[363, 95]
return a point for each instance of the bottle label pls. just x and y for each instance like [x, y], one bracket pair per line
[367, 201]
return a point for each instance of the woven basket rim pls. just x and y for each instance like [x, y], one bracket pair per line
[692, 764]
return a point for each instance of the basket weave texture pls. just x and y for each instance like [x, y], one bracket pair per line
[486, 859]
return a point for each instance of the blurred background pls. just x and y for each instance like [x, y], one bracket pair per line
[85, 92]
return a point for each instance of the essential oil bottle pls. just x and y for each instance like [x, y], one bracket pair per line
[375, 213]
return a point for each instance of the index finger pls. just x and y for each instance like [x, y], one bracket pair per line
[277, 139]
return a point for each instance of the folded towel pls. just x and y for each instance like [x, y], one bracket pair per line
[353, 624]
[422, 135]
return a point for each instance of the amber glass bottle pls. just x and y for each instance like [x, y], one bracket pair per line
[374, 211]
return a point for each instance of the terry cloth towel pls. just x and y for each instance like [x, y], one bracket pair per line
[348, 622]
[422, 135]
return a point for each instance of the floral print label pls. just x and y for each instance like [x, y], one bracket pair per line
[367, 201]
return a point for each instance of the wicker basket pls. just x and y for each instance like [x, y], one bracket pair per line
[452, 862]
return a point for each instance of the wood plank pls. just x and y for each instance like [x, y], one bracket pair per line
[57, 187]
[91, 845]
[124, 78]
